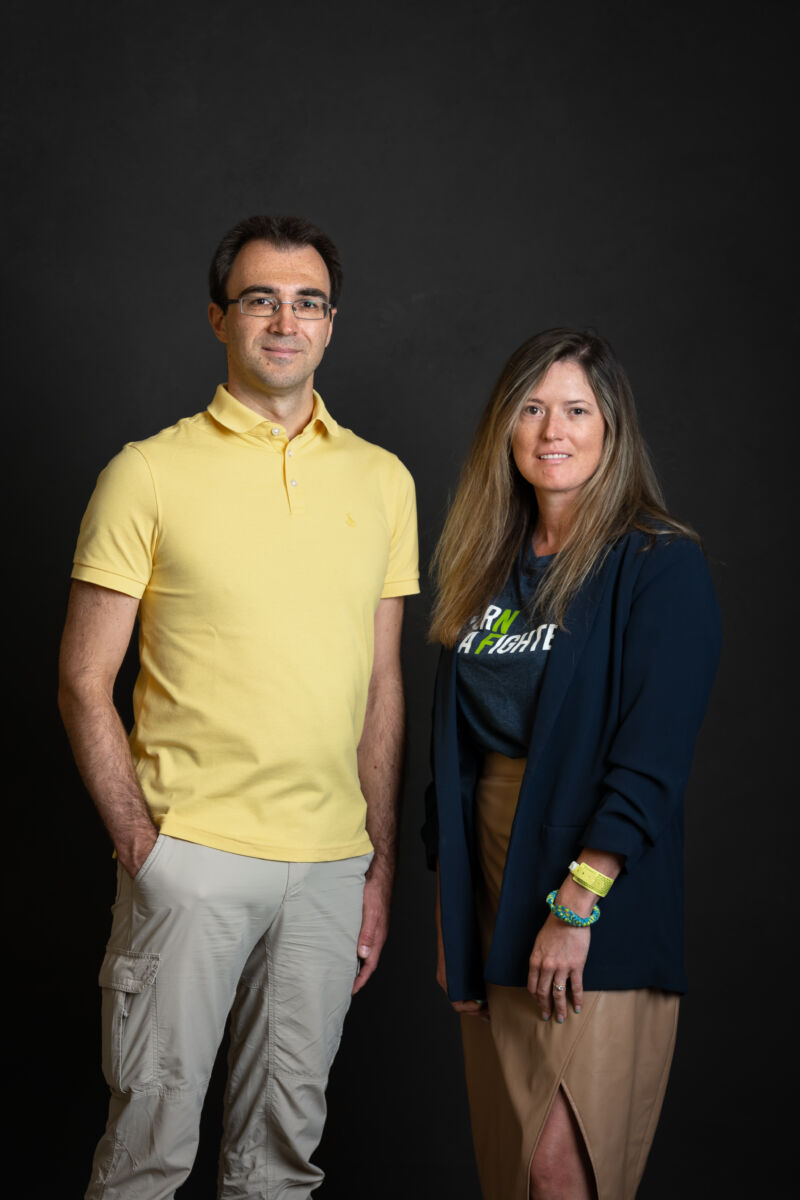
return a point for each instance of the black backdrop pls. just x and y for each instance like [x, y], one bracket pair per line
[619, 165]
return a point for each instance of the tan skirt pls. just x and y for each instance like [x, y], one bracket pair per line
[611, 1061]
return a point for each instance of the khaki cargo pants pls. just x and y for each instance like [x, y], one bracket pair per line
[197, 934]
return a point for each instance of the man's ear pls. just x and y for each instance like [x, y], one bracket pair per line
[330, 328]
[216, 316]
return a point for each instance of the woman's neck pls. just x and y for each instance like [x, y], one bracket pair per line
[553, 523]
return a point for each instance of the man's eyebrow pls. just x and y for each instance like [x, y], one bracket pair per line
[267, 290]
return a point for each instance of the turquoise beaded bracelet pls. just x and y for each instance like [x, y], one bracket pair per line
[568, 916]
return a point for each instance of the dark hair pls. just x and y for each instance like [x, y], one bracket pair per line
[280, 232]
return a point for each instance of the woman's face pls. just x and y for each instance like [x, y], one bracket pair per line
[558, 439]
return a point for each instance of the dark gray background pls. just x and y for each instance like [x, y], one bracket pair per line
[621, 165]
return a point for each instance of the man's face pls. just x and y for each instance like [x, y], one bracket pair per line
[273, 356]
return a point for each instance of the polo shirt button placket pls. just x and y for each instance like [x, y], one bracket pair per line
[293, 495]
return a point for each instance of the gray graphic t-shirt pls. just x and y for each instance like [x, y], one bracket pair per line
[500, 662]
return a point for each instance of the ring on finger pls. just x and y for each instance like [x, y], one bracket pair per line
[559, 987]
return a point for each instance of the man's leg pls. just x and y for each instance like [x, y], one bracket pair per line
[181, 934]
[285, 1029]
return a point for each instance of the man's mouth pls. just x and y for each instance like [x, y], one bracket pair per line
[288, 351]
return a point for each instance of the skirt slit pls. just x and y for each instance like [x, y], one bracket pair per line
[611, 1061]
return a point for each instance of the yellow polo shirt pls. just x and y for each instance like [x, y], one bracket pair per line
[259, 562]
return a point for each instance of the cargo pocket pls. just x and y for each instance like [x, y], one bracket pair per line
[130, 1036]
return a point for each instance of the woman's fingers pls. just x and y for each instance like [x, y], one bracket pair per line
[555, 973]
[576, 990]
[559, 998]
[555, 990]
[565, 989]
[540, 985]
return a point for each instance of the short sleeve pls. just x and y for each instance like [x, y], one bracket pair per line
[402, 572]
[119, 530]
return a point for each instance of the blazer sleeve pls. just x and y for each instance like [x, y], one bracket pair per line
[670, 651]
[430, 828]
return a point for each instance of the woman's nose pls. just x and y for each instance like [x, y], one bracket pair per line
[553, 428]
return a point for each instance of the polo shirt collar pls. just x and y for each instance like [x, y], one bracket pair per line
[237, 417]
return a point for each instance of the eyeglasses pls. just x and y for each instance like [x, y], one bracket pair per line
[306, 308]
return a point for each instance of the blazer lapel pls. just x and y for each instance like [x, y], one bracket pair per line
[564, 657]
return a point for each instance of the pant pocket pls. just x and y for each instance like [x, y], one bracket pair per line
[155, 850]
[130, 1034]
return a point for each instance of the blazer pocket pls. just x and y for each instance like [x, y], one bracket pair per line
[130, 1035]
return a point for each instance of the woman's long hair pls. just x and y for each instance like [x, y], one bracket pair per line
[494, 510]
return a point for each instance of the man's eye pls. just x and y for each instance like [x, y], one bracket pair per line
[258, 304]
[309, 305]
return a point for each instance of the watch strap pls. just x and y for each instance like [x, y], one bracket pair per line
[587, 877]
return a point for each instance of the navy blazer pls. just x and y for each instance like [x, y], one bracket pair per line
[622, 700]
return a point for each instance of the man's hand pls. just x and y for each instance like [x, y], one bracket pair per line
[135, 853]
[374, 921]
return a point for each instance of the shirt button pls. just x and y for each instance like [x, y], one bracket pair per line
[275, 431]
[293, 482]
[289, 452]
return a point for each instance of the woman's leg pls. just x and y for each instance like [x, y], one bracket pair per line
[560, 1169]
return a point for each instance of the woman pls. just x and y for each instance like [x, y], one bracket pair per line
[581, 636]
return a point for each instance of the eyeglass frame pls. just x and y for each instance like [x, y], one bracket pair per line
[326, 304]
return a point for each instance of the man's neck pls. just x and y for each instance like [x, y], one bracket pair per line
[292, 411]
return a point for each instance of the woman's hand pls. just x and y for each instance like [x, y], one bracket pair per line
[556, 963]
[560, 951]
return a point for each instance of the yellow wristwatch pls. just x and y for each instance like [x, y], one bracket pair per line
[592, 880]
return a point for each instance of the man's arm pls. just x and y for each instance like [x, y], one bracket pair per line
[380, 755]
[96, 636]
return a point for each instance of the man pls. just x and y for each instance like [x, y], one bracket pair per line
[267, 551]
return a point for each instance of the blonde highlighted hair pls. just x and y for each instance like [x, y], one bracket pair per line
[494, 509]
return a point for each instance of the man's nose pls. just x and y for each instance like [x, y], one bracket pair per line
[284, 320]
